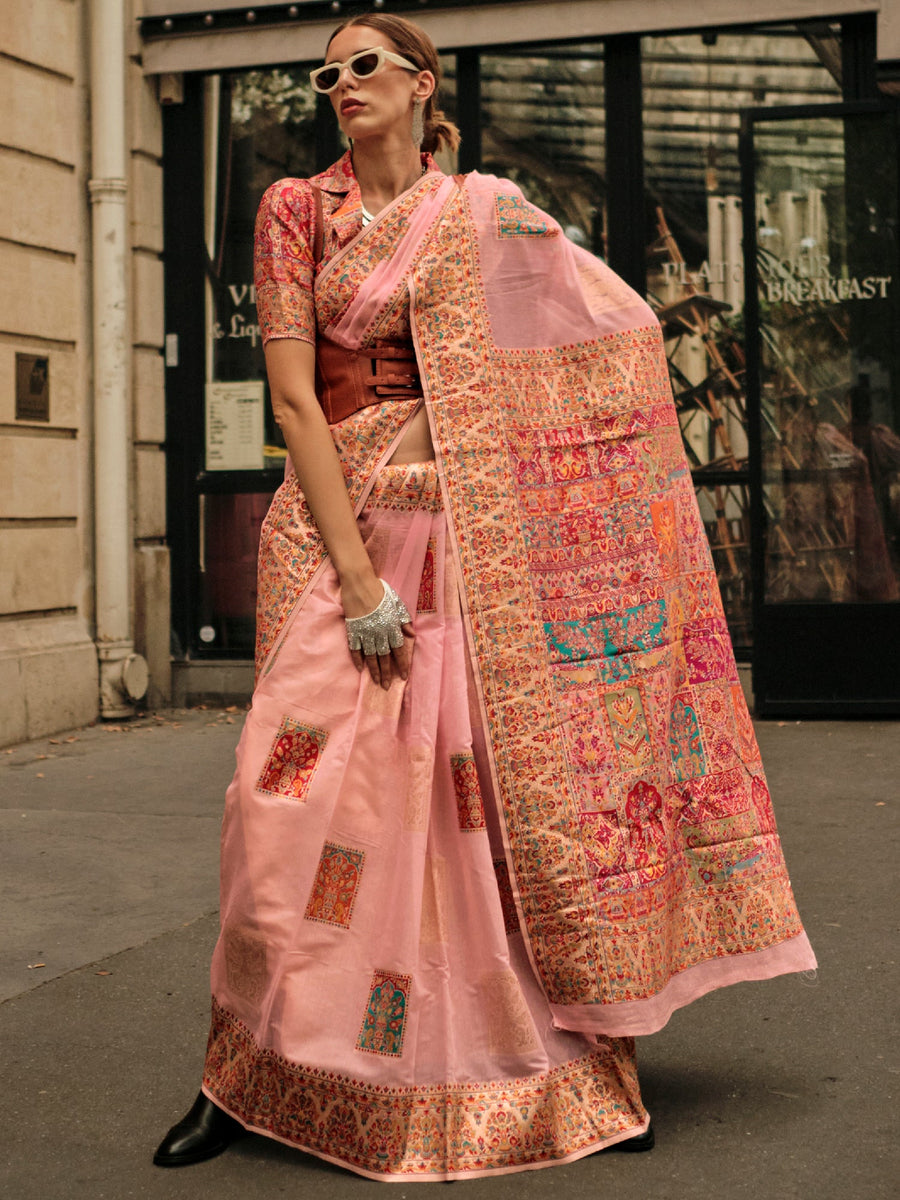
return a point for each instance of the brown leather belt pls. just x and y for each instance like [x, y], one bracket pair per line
[348, 380]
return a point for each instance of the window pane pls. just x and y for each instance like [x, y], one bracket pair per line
[694, 88]
[828, 264]
[543, 127]
[259, 128]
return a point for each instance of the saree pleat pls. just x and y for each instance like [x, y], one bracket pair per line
[373, 1001]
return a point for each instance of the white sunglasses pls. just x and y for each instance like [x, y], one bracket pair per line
[362, 65]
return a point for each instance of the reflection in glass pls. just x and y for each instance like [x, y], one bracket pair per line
[260, 126]
[829, 314]
[543, 127]
[695, 86]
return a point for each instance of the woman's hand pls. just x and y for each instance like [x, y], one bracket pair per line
[362, 598]
[291, 367]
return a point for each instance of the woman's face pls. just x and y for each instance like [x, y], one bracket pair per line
[374, 106]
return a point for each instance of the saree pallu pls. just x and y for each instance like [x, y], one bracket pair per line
[374, 1002]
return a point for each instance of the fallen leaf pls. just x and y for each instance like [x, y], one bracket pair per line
[54, 741]
[787, 1095]
[39, 775]
[42, 756]
[34, 966]
[229, 720]
[231, 708]
[103, 972]
[71, 739]
[880, 803]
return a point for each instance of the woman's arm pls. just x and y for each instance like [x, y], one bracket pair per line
[290, 364]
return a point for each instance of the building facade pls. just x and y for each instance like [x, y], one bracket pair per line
[84, 604]
[139, 453]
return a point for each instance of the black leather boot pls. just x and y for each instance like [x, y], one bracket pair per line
[643, 1141]
[203, 1133]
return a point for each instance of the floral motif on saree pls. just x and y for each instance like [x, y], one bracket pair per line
[517, 218]
[469, 804]
[427, 601]
[385, 1021]
[334, 889]
[293, 760]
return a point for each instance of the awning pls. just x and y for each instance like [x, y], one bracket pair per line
[183, 35]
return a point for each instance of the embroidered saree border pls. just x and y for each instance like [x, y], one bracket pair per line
[428, 1132]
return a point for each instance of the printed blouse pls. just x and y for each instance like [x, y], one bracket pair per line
[285, 270]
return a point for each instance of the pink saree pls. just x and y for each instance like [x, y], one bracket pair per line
[446, 908]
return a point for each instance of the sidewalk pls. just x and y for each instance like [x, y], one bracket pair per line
[780, 1090]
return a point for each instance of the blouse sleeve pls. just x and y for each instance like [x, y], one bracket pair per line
[283, 262]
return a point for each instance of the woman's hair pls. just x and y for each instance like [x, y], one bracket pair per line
[415, 44]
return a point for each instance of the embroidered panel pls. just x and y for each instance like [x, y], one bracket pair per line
[634, 630]
[427, 601]
[469, 804]
[419, 772]
[628, 722]
[334, 889]
[292, 761]
[517, 218]
[384, 1024]
[245, 962]
[510, 1027]
[425, 1132]
[685, 745]
[407, 487]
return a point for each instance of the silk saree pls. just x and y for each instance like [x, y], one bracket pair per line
[447, 909]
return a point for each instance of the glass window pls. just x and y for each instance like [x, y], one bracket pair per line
[543, 127]
[694, 88]
[259, 127]
[827, 261]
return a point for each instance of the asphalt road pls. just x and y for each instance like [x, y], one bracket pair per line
[781, 1090]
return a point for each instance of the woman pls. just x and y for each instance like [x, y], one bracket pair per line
[533, 821]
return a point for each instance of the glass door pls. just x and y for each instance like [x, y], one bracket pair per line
[822, 265]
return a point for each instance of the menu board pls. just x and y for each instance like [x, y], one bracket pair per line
[235, 430]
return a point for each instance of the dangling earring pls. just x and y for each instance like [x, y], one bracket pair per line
[418, 123]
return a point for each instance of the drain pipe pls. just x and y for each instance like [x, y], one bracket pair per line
[123, 674]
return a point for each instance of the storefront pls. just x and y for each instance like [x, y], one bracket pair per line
[744, 177]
